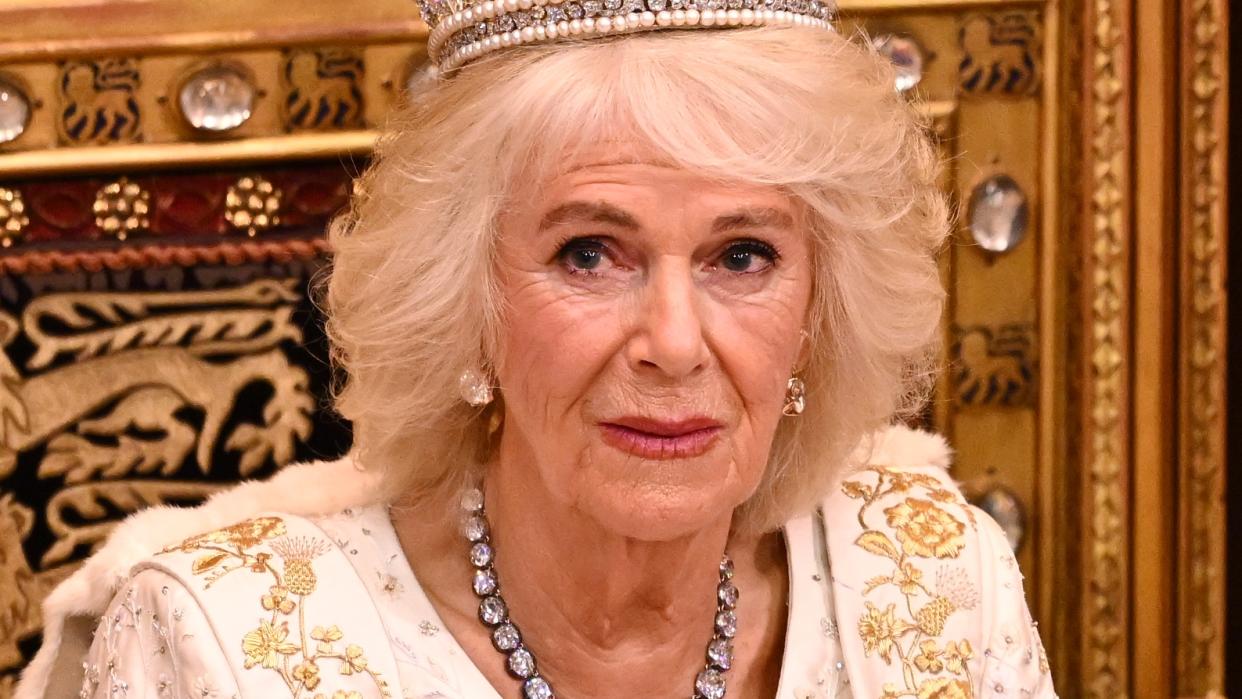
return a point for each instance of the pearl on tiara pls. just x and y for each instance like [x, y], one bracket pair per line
[462, 30]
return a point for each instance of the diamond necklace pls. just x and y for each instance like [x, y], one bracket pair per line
[494, 613]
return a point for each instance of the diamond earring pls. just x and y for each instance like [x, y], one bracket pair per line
[474, 387]
[795, 397]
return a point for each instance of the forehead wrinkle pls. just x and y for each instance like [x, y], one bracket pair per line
[592, 211]
[764, 217]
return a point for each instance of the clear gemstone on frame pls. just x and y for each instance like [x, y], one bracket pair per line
[710, 684]
[726, 623]
[217, 99]
[506, 23]
[592, 7]
[521, 663]
[506, 638]
[537, 688]
[556, 14]
[726, 568]
[14, 111]
[905, 55]
[727, 594]
[657, 5]
[574, 10]
[492, 610]
[480, 554]
[998, 214]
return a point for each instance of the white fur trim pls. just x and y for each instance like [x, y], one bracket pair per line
[902, 447]
[296, 489]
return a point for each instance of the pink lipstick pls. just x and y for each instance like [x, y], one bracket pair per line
[650, 438]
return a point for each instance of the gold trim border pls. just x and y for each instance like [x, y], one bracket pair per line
[1200, 633]
[1106, 293]
[132, 158]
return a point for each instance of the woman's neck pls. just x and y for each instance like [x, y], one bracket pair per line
[605, 616]
[603, 612]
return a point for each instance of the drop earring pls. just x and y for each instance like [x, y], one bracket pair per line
[795, 397]
[474, 387]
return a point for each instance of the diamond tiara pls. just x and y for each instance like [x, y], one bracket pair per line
[462, 30]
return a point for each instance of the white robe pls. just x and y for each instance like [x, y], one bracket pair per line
[898, 588]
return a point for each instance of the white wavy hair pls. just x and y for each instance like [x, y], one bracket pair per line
[412, 300]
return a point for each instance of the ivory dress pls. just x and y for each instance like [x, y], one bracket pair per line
[898, 588]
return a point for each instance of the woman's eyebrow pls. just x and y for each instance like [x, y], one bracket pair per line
[768, 217]
[587, 211]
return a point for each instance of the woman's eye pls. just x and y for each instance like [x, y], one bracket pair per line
[748, 257]
[583, 255]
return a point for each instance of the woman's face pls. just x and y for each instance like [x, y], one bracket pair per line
[653, 319]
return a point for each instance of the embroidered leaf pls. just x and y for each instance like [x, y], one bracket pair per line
[876, 582]
[878, 543]
[208, 562]
[856, 490]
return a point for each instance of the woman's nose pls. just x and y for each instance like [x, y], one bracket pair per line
[669, 333]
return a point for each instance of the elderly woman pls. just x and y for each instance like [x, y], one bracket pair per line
[625, 316]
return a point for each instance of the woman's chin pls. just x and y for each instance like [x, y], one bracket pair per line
[660, 516]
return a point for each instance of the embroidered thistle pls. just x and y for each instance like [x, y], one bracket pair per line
[954, 584]
[931, 616]
[298, 552]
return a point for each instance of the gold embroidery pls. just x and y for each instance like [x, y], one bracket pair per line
[922, 530]
[280, 643]
[266, 644]
[944, 688]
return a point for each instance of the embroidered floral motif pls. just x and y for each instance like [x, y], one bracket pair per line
[920, 525]
[925, 529]
[280, 642]
[266, 644]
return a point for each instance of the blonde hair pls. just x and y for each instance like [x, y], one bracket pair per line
[412, 301]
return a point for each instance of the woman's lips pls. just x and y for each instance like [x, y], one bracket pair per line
[659, 439]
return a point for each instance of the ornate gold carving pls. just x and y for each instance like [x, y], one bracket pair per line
[98, 102]
[13, 219]
[999, 55]
[993, 366]
[323, 89]
[1200, 636]
[253, 205]
[1106, 291]
[121, 208]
